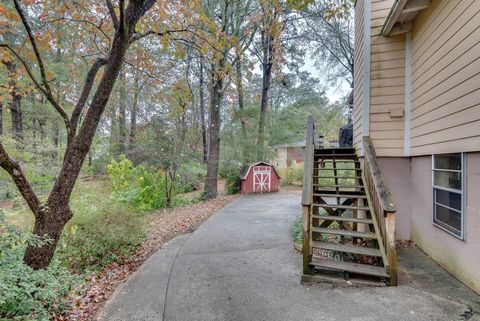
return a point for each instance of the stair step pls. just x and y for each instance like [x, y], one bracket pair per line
[347, 207]
[338, 169]
[337, 161]
[343, 219]
[362, 250]
[327, 156]
[335, 186]
[335, 150]
[340, 195]
[338, 177]
[350, 267]
[335, 231]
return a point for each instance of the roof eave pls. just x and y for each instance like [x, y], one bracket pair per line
[402, 7]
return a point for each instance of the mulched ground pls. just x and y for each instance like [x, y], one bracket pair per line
[166, 225]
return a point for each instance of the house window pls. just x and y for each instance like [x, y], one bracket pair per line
[448, 193]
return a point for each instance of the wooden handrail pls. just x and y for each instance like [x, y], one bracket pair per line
[381, 188]
[382, 204]
[307, 191]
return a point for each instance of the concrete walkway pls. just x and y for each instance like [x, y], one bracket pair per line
[240, 266]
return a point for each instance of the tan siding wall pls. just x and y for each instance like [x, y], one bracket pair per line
[446, 78]
[387, 76]
[358, 75]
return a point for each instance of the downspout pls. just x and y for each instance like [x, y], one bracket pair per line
[408, 91]
[366, 68]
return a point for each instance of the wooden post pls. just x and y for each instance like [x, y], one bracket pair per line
[382, 206]
[391, 247]
[307, 192]
[306, 238]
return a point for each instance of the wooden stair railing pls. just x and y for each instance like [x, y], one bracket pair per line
[307, 192]
[382, 205]
[348, 229]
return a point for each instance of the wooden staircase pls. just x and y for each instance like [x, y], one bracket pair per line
[348, 216]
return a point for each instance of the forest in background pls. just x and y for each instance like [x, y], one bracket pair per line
[112, 110]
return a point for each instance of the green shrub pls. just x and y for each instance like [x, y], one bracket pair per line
[230, 172]
[298, 175]
[27, 294]
[191, 176]
[99, 236]
[137, 186]
[286, 175]
[232, 184]
[292, 175]
[232, 181]
[297, 231]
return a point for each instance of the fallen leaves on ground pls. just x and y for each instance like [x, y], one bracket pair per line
[166, 224]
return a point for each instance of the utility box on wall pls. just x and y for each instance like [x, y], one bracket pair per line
[259, 177]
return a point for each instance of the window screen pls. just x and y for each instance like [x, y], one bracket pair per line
[448, 193]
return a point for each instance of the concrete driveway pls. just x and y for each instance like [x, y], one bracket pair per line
[240, 266]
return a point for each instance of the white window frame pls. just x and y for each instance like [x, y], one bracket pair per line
[462, 194]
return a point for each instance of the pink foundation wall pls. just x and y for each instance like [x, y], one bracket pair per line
[410, 182]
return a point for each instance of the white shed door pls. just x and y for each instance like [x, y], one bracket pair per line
[262, 176]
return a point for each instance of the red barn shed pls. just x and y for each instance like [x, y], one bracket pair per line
[259, 177]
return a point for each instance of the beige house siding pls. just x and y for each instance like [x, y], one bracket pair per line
[387, 76]
[280, 160]
[443, 104]
[358, 75]
[446, 78]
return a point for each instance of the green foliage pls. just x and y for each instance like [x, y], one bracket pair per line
[232, 183]
[191, 175]
[341, 171]
[292, 175]
[38, 163]
[99, 235]
[296, 230]
[286, 175]
[27, 294]
[137, 186]
[297, 95]
[231, 174]
[146, 190]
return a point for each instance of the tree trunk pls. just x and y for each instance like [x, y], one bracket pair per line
[240, 93]
[133, 115]
[50, 224]
[122, 108]
[211, 190]
[113, 139]
[50, 219]
[16, 113]
[55, 134]
[15, 104]
[41, 125]
[1, 119]
[202, 114]
[51, 216]
[56, 122]
[267, 63]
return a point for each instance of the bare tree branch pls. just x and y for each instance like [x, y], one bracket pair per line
[111, 10]
[121, 7]
[24, 187]
[138, 36]
[87, 87]
[85, 22]
[26, 66]
[48, 91]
